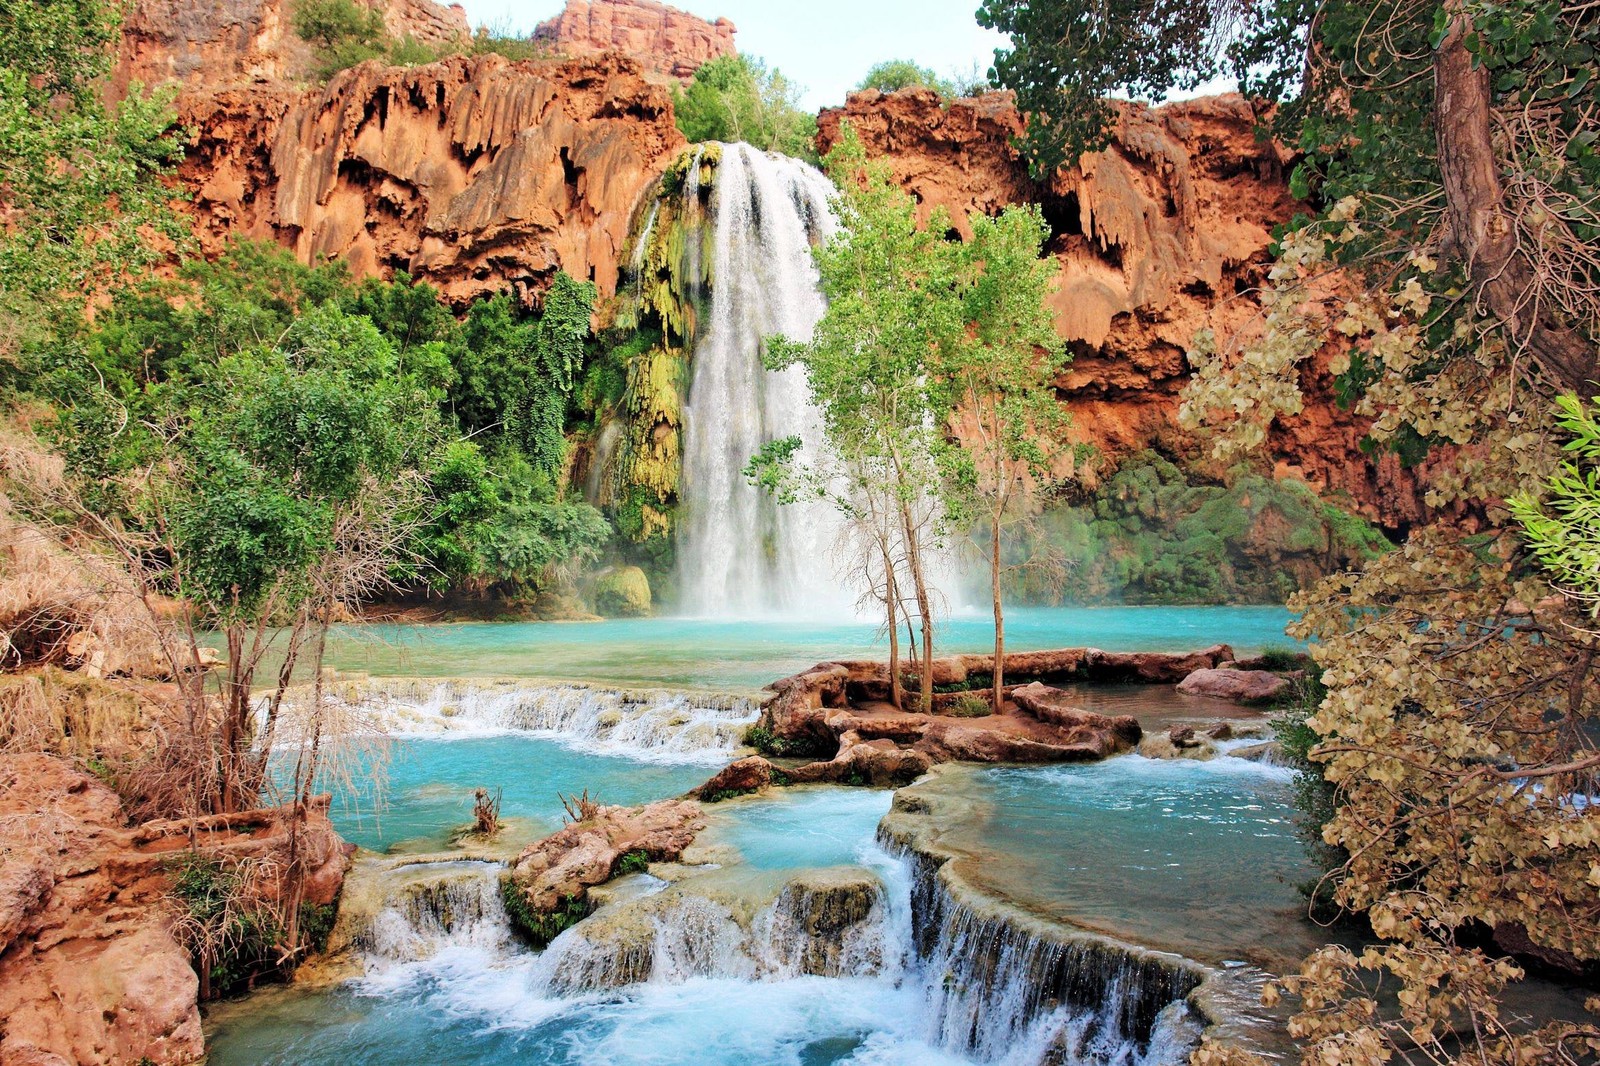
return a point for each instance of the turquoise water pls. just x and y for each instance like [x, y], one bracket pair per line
[745, 656]
[801, 828]
[1195, 857]
[431, 782]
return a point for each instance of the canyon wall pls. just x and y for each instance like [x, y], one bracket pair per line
[205, 43]
[663, 38]
[473, 173]
[1164, 233]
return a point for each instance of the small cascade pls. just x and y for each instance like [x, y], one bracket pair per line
[1004, 987]
[823, 923]
[428, 908]
[740, 553]
[657, 726]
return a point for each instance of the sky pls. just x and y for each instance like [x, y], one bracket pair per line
[824, 45]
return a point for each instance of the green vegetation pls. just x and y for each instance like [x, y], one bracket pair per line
[735, 98]
[773, 746]
[632, 862]
[1448, 157]
[1154, 534]
[920, 333]
[538, 928]
[234, 936]
[82, 190]
[970, 707]
[893, 75]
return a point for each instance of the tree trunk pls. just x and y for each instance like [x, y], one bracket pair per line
[919, 583]
[999, 700]
[891, 598]
[1482, 231]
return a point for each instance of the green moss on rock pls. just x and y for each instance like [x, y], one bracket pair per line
[624, 593]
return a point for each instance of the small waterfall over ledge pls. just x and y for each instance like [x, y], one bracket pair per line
[740, 553]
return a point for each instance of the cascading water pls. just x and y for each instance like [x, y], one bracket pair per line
[658, 725]
[742, 554]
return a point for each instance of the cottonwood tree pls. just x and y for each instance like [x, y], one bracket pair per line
[998, 382]
[1448, 151]
[894, 310]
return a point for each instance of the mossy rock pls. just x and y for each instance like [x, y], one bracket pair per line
[623, 593]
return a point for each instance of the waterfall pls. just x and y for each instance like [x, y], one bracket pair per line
[740, 553]
[822, 923]
[657, 725]
[1000, 987]
[427, 908]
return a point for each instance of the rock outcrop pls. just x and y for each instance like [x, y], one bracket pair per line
[203, 43]
[565, 865]
[667, 40]
[89, 969]
[839, 711]
[1164, 233]
[475, 174]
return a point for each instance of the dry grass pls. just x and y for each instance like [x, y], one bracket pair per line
[580, 808]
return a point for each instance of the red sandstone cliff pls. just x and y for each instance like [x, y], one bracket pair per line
[475, 174]
[1164, 233]
[211, 43]
[663, 38]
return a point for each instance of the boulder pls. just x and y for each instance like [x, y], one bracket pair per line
[1163, 746]
[747, 775]
[1239, 686]
[623, 593]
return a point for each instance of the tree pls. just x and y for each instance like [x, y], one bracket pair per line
[1449, 151]
[892, 75]
[735, 98]
[1000, 382]
[894, 310]
[80, 180]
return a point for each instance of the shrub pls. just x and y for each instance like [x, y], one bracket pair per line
[772, 745]
[233, 935]
[970, 707]
[636, 861]
[892, 75]
[536, 927]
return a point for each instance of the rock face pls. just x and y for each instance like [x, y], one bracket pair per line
[89, 970]
[666, 39]
[1240, 686]
[1164, 233]
[474, 174]
[203, 42]
[567, 864]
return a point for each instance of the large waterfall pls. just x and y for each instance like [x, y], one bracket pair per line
[742, 554]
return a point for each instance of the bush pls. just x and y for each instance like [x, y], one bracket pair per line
[970, 707]
[772, 745]
[632, 862]
[735, 98]
[1315, 798]
[895, 74]
[234, 937]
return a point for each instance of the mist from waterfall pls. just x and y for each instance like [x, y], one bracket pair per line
[741, 554]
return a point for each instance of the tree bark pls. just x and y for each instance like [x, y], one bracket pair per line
[891, 598]
[999, 699]
[1482, 232]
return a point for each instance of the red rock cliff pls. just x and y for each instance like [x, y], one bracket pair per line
[475, 174]
[1162, 234]
[664, 38]
[213, 44]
